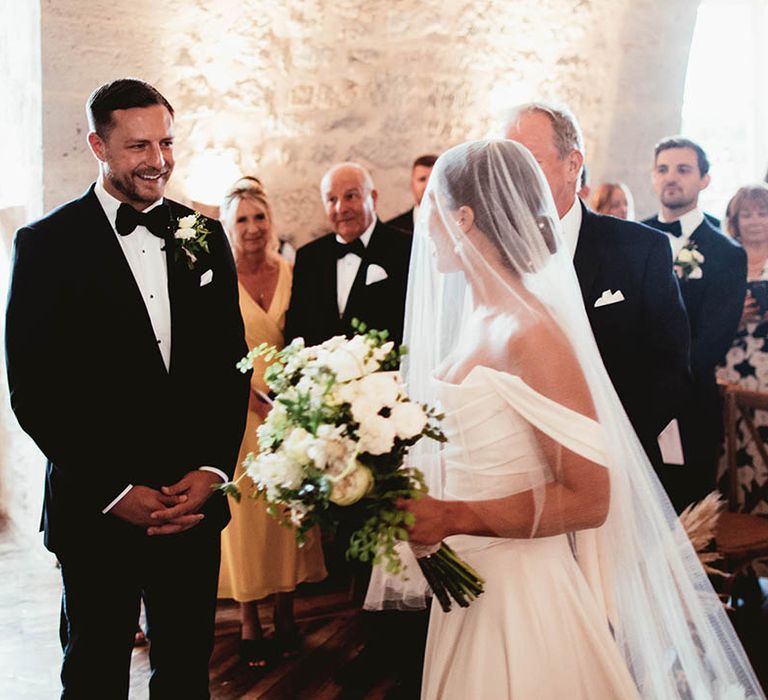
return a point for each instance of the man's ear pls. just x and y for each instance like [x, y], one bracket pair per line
[374, 196]
[97, 146]
[575, 161]
[705, 182]
[465, 218]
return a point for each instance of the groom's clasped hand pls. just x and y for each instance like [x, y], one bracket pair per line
[170, 510]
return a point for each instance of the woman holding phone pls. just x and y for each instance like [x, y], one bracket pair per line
[746, 363]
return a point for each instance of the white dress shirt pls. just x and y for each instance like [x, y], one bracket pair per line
[570, 225]
[146, 258]
[689, 222]
[347, 267]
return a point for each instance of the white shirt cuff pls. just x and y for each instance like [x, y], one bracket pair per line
[114, 503]
[218, 472]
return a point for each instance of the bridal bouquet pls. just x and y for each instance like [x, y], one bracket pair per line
[332, 450]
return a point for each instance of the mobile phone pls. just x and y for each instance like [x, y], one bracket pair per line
[758, 290]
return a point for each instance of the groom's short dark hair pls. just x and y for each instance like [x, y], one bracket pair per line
[124, 93]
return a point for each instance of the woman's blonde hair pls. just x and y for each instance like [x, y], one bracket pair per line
[749, 193]
[250, 188]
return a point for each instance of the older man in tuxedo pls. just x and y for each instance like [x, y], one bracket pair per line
[360, 270]
[625, 272]
[713, 297]
[121, 340]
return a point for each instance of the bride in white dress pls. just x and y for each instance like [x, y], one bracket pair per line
[592, 590]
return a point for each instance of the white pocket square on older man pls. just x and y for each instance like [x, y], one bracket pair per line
[206, 278]
[375, 273]
[609, 297]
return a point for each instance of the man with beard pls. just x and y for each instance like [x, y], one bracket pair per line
[625, 273]
[122, 335]
[713, 296]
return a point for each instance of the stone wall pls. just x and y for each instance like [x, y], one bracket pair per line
[284, 90]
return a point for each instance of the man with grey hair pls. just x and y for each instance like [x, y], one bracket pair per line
[359, 270]
[625, 273]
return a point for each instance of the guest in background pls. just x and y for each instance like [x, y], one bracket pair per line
[260, 557]
[420, 172]
[714, 300]
[358, 271]
[614, 199]
[746, 363]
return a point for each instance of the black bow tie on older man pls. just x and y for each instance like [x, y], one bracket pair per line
[673, 228]
[356, 247]
[156, 221]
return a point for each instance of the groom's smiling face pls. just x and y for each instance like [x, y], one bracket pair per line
[136, 154]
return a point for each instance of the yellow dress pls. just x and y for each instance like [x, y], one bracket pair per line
[258, 555]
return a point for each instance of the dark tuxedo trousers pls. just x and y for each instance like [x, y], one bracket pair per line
[89, 385]
[314, 314]
[714, 305]
[643, 339]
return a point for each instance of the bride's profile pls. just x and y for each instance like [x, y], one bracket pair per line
[592, 588]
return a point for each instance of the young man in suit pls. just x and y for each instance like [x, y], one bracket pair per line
[121, 341]
[420, 172]
[714, 300]
[625, 273]
[360, 270]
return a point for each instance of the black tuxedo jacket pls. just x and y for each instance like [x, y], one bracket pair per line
[644, 339]
[714, 302]
[403, 221]
[88, 382]
[314, 314]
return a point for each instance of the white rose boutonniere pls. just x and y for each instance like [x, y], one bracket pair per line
[190, 238]
[688, 263]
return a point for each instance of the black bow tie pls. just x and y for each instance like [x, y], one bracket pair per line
[356, 247]
[156, 221]
[673, 227]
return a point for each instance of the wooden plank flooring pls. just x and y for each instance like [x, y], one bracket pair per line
[328, 667]
[332, 627]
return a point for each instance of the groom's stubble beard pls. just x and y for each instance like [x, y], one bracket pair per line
[130, 189]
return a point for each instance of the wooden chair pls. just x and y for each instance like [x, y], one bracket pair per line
[741, 537]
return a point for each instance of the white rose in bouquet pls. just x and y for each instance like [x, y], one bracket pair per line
[377, 435]
[383, 386]
[352, 487]
[272, 471]
[331, 450]
[297, 444]
[409, 419]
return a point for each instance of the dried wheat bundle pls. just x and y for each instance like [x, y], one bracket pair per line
[699, 521]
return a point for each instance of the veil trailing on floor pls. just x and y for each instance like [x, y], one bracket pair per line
[491, 285]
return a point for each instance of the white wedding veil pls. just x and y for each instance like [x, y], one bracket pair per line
[492, 285]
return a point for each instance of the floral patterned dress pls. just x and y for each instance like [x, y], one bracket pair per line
[746, 364]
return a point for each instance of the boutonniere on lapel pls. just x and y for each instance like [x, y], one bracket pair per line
[189, 238]
[688, 262]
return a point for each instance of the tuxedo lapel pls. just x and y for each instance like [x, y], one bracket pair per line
[588, 253]
[108, 263]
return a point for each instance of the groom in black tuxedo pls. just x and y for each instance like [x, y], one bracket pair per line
[625, 273]
[714, 298]
[360, 270]
[121, 341]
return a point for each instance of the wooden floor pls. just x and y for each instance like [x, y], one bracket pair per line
[329, 666]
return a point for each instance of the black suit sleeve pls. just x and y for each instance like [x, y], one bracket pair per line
[45, 389]
[719, 313]
[667, 337]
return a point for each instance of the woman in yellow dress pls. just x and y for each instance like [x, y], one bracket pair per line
[260, 557]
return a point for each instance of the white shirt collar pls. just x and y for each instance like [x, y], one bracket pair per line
[110, 205]
[365, 237]
[570, 225]
[689, 221]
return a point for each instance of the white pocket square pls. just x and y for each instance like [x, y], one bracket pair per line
[609, 297]
[206, 278]
[375, 273]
